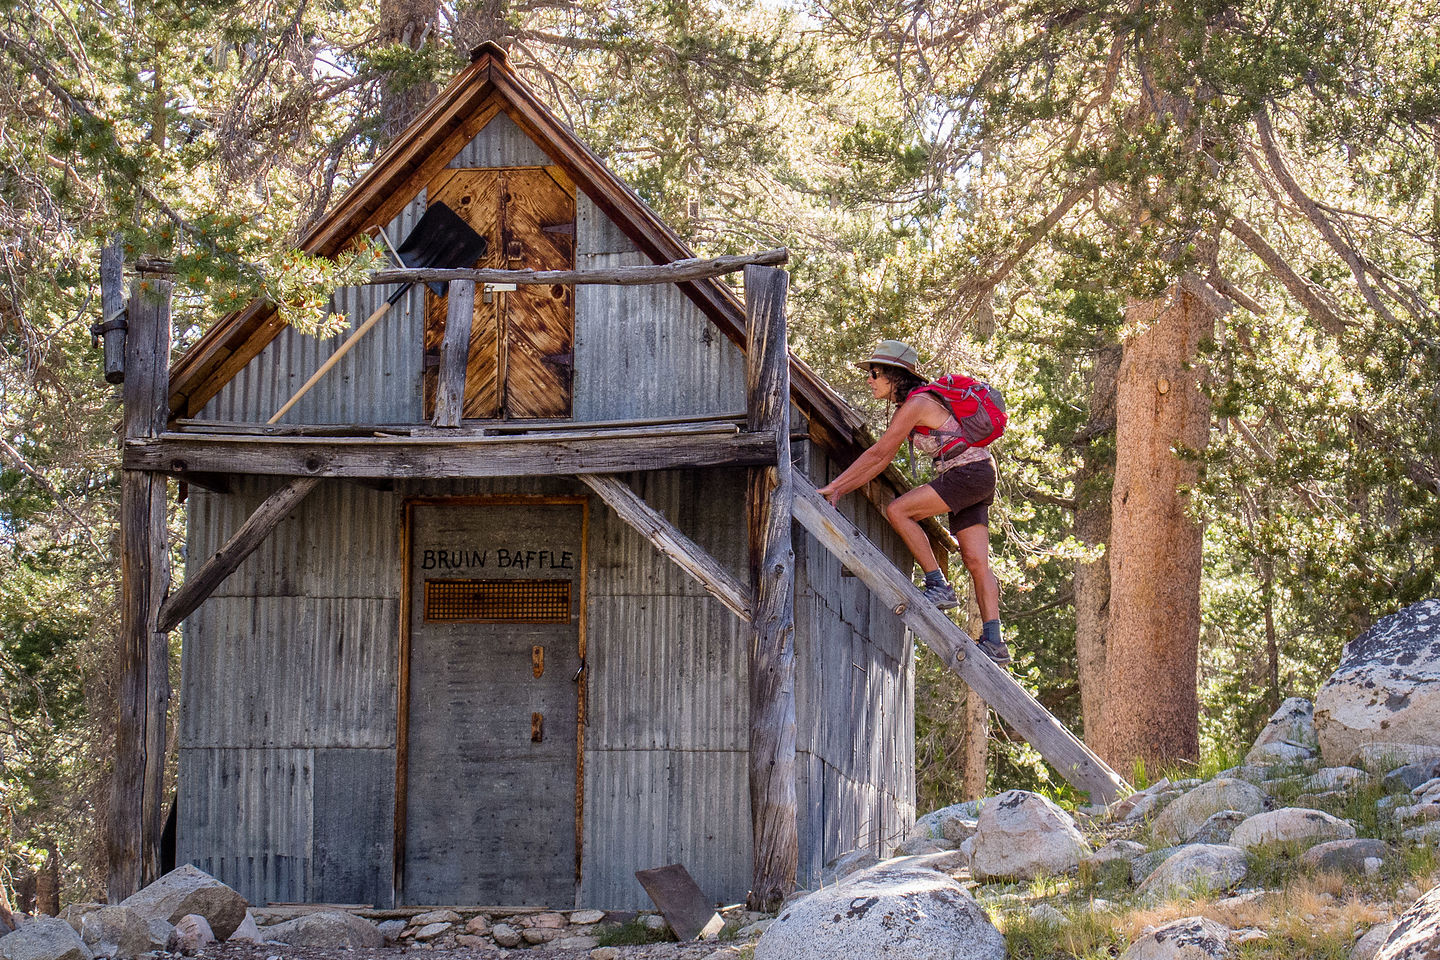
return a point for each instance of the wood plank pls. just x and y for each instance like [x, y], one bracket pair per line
[454, 353]
[772, 561]
[675, 271]
[1070, 757]
[687, 554]
[251, 534]
[112, 309]
[478, 428]
[439, 458]
[137, 801]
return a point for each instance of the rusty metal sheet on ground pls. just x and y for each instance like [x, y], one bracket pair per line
[680, 901]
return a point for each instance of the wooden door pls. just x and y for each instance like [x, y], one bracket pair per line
[494, 681]
[521, 342]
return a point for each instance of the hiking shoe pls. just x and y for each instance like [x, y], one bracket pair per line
[996, 650]
[942, 595]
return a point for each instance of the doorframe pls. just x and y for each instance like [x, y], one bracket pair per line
[402, 729]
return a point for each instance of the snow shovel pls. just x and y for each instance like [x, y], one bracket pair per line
[441, 240]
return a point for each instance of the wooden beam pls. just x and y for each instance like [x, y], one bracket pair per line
[772, 563]
[137, 801]
[432, 457]
[687, 554]
[675, 271]
[1065, 752]
[454, 353]
[111, 329]
[251, 534]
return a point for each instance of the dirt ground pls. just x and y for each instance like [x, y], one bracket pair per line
[651, 951]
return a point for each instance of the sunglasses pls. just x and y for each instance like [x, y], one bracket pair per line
[874, 373]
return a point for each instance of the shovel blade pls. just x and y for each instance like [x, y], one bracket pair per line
[442, 240]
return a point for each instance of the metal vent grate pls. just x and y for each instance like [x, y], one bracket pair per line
[497, 601]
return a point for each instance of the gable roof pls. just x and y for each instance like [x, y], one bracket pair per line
[451, 120]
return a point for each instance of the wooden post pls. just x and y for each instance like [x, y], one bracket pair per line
[977, 724]
[772, 563]
[455, 354]
[137, 803]
[111, 328]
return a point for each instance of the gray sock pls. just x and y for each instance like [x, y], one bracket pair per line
[934, 578]
[991, 631]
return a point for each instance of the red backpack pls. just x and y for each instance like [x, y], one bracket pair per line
[978, 408]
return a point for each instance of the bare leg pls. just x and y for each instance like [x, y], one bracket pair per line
[975, 550]
[906, 512]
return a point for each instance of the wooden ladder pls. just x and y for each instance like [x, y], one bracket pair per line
[1065, 751]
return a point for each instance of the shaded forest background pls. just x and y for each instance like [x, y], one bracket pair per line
[1076, 201]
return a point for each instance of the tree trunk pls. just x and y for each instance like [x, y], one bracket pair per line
[411, 22]
[1155, 545]
[1093, 484]
[974, 772]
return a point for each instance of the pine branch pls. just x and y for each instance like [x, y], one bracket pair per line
[1301, 289]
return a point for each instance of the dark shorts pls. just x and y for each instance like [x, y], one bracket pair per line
[968, 491]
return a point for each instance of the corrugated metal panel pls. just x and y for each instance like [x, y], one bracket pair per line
[291, 672]
[644, 351]
[354, 827]
[342, 541]
[501, 144]
[378, 381]
[245, 818]
[647, 808]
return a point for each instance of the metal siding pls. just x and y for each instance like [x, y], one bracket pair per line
[378, 381]
[501, 144]
[246, 819]
[644, 351]
[353, 831]
[666, 747]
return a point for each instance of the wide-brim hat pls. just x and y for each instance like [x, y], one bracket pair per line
[893, 353]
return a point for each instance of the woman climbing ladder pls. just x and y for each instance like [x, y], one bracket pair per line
[951, 419]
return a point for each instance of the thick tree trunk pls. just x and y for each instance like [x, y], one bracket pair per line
[1155, 545]
[411, 22]
[1093, 484]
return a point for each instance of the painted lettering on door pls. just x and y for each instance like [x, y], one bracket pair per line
[519, 558]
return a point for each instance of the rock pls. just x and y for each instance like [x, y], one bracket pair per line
[1120, 809]
[921, 845]
[1371, 941]
[474, 941]
[536, 935]
[1314, 801]
[653, 921]
[249, 932]
[846, 864]
[605, 953]
[1188, 813]
[188, 889]
[192, 934]
[434, 916]
[1023, 835]
[1201, 868]
[328, 929]
[506, 935]
[1218, 827]
[1345, 856]
[1145, 864]
[1190, 938]
[432, 930]
[884, 915]
[1335, 778]
[115, 932]
[1387, 688]
[575, 943]
[1416, 935]
[955, 822]
[1408, 777]
[1048, 916]
[44, 938]
[552, 920]
[1115, 851]
[1427, 833]
[478, 926]
[1379, 757]
[950, 862]
[1290, 825]
[1279, 753]
[73, 913]
[391, 929]
[160, 931]
[583, 917]
[751, 930]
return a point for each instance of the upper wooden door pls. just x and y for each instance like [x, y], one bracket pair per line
[522, 342]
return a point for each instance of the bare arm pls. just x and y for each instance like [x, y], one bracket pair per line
[917, 411]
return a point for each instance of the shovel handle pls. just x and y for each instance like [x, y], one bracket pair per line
[354, 338]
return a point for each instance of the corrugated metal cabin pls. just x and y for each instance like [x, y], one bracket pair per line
[494, 690]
